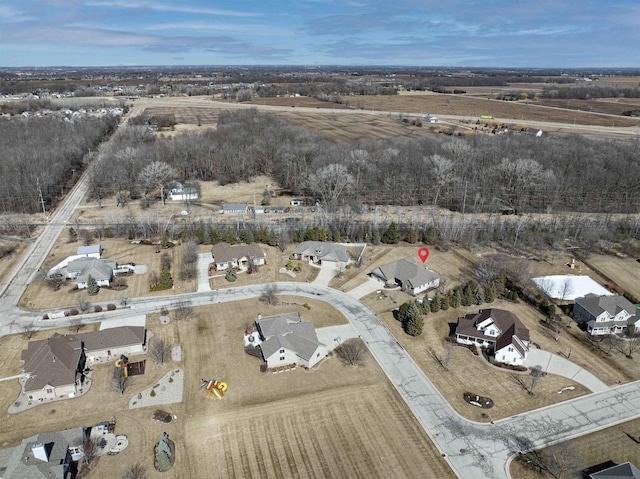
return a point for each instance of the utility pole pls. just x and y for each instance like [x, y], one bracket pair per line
[464, 198]
[41, 198]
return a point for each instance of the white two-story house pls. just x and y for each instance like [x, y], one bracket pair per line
[605, 314]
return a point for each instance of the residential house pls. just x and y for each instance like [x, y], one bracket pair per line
[100, 269]
[285, 340]
[406, 273]
[55, 365]
[43, 456]
[318, 251]
[239, 256]
[605, 314]
[621, 471]
[296, 202]
[183, 194]
[497, 330]
[91, 251]
[235, 208]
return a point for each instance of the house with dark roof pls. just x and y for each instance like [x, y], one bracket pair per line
[497, 330]
[100, 269]
[54, 366]
[235, 208]
[605, 314]
[409, 275]
[286, 340]
[238, 256]
[318, 251]
[620, 471]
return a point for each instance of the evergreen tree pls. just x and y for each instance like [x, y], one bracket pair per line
[478, 295]
[490, 293]
[392, 235]
[323, 235]
[273, 238]
[414, 322]
[199, 233]
[92, 286]
[375, 236]
[425, 307]
[446, 301]
[73, 235]
[467, 294]
[402, 312]
[412, 236]
[166, 280]
[436, 303]
[456, 297]
[246, 236]
[206, 239]
[230, 275]
[215, 236]
[335, 233]
[430, 236]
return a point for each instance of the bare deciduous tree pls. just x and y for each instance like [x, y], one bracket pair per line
[330, 183]
[351, 352]
[156, 175]
[120, 382]
[137, 471]
[76, 323]
[160, 350]
[559, 461]
[28, 330]
[444, 360]
[269, 294]
[56, 281]
[83, 303]
[184, 310]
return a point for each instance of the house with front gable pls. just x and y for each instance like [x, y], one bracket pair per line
[498, 331]
[318, 251]
[406, 273]
[100, 269]
[286, 340]
[238, 256]
[605, 314]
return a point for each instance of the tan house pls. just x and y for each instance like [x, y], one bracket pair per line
[55, 365]
[238, 256]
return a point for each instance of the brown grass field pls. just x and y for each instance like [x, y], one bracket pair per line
[333, 421]
[9, 261]
[610, 444]
[39, 296]
[624, 271]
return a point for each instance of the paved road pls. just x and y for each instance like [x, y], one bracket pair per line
[555, 364]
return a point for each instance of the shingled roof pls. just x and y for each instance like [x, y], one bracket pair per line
[596, 305]
[287, 331]
[100, 269]
[405, 271]
[223, 252]
[323, 251]
[507, 322]
[53, 361]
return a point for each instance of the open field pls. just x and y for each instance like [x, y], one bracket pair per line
[624, 271]
[468, 372]
[39, 296]
[9, 261]
[610, 106]
[332, 421]
[299, 101]
[475, 107]
[275, 260]
[610, 444]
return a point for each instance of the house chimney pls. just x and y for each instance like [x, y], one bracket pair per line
[40, 451]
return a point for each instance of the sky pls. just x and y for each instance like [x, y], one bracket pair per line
[456, 33]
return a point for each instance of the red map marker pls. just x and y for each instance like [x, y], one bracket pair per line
[423, 253]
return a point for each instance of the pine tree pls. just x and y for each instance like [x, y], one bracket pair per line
[478, 295]
[166, 280]
[456, 297]
[425, 307]
[392, 235]
[467, 294]
[375, 236]
[412, 236]
[402, 312]
[490, 293]
[430, 236]
[92, 286]
[273, 238]
[230, 275]
[436, 303]
[414, 322]
[73, 235]
[446, 301]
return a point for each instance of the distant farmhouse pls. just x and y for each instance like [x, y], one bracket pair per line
[497, 330]
[235, 208]
[605, 314]
[91, 251]
[318, 251]
[406, 273]
[183, 194]
[285, 340]
[100, 269]
[238, 256]
[55, 366]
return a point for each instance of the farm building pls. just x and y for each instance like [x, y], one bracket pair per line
[605, 314]
[183, 194]
[238, 256]
[497, 330]
[318, 251]
[235, 208]
[286, 340]
[406, 273]
[100, 269]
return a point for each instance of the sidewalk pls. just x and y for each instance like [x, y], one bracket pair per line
[554, 364]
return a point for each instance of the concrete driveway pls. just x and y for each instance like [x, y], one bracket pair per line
[203, 272]
[332, 336]
[328, 270]
[368, 287]
[555, 364]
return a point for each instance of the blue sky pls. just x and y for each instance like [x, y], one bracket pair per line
[525, 33]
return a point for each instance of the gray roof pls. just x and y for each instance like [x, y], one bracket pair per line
[94, 248]
[405, 271]
[19, 462]
[223, 252]
[596, 305]
[113, 338]
[621, 471]
[231, 207]
[324, 251]
[287, 331]
[100, 269]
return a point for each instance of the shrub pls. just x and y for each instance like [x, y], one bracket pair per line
[111, 307]
[139, 395]
[152, 393]
[307, 305]
[170, 380]
[74, 312]
[98, 308]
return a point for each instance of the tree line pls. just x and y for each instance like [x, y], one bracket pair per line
[586, 92]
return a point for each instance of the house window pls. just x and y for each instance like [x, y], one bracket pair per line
[281, 358]
[510, 350]
[318, 355]
[503, 357]
[49, 390]
[282, 351]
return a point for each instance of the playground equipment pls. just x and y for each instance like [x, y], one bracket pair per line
[123, 362]
[214, 388]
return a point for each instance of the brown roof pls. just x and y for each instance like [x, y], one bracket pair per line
[112, 338]
[223, 252]
[52, 361]
[506, 321]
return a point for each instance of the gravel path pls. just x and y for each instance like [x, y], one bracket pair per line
[166, 392]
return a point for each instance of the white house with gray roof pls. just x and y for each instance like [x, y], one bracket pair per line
[605, 314]
[406, 273]
[286, 340]
[235, 208]
[91, 251]
[100, 269]
[317, 251]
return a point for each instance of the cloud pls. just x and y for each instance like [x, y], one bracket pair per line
[160, 7]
